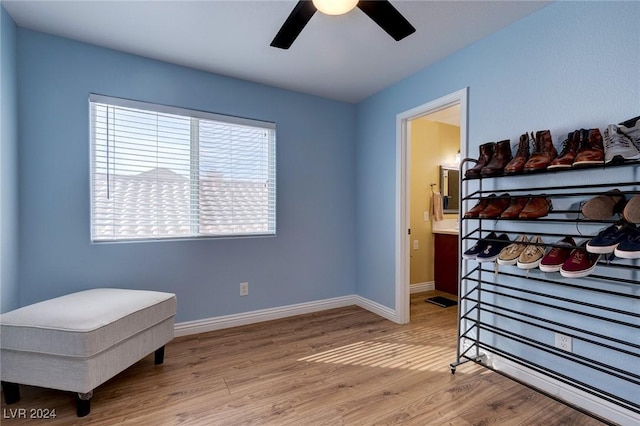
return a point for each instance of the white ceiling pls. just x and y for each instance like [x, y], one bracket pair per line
[346, 58]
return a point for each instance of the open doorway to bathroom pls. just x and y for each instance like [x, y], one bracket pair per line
[432, 138]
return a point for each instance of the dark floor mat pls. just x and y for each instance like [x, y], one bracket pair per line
[441, 301]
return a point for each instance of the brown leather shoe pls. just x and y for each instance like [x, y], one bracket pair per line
[516, 165]
[501, 156]
[486, 152]
[480, 205]
[543, 152]
[591, 150]
[514, 209]
[569, 149]
[536, 207]
[495, 207]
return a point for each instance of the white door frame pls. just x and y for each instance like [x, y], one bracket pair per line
[403, 198]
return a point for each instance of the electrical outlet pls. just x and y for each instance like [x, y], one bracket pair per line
[426, 216]
[416, 244]
[564, 342]
[244, 289]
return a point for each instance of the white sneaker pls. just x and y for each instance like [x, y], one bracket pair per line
[618, 146]
[631, 128]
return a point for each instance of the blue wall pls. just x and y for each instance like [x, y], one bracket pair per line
[311, 258]
[9, 291]
[566, 66]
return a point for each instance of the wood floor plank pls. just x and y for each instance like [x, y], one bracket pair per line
[343, 366]
[443, 404]
[508, 407]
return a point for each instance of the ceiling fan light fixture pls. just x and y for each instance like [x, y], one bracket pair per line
[381, 12]
[335, 7]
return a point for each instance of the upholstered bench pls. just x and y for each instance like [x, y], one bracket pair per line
[79, 341]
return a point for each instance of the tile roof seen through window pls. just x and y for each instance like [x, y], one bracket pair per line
[162, 202]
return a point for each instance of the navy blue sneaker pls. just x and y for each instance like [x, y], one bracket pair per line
[492, 249]
[608, 239]
[629, 248]
[479, 246]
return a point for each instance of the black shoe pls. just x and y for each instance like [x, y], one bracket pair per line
[629, 248]
[493, 248]
[478, 247]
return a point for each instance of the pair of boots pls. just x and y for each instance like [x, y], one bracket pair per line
[581, 148]
[496, 159]
[492, 160]
[543, 153]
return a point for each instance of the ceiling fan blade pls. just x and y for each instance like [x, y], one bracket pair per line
[388, 17]
[297, 20]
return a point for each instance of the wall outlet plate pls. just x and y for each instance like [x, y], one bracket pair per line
[244, 289]
[564, 342]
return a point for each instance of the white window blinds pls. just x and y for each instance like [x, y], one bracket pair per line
[163, 172]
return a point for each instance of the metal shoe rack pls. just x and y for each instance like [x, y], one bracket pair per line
[582, 332]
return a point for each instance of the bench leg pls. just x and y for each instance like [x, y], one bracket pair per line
[83, 404]
[11, 392]
[159, 356]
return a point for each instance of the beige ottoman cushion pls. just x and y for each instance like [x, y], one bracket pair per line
[86, 323]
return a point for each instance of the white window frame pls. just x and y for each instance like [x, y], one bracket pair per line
[265, 207]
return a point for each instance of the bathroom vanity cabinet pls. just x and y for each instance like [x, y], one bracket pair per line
[446, 262]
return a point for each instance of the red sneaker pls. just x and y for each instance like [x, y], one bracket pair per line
[580, 263]
[555, 258]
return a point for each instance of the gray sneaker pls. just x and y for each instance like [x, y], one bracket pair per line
[618, 146]
[631, 128]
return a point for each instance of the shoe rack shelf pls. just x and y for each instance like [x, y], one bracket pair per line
[582, 332]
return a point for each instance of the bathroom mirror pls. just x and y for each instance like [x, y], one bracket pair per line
[450, 188]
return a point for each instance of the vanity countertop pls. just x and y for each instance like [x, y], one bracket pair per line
[448, 231]
[447, 226]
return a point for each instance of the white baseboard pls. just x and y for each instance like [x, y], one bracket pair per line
[422, 287]
[228, 321]
[376, 308]
[563, 391]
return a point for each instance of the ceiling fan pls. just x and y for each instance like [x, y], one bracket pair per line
[381, 11]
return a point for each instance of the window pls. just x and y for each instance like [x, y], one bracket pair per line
[162, 172]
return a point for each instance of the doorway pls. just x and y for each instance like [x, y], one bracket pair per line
[405, 241]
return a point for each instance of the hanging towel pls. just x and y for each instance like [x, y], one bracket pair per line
[436, 206]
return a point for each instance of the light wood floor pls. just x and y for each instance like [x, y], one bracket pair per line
[339, 367]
